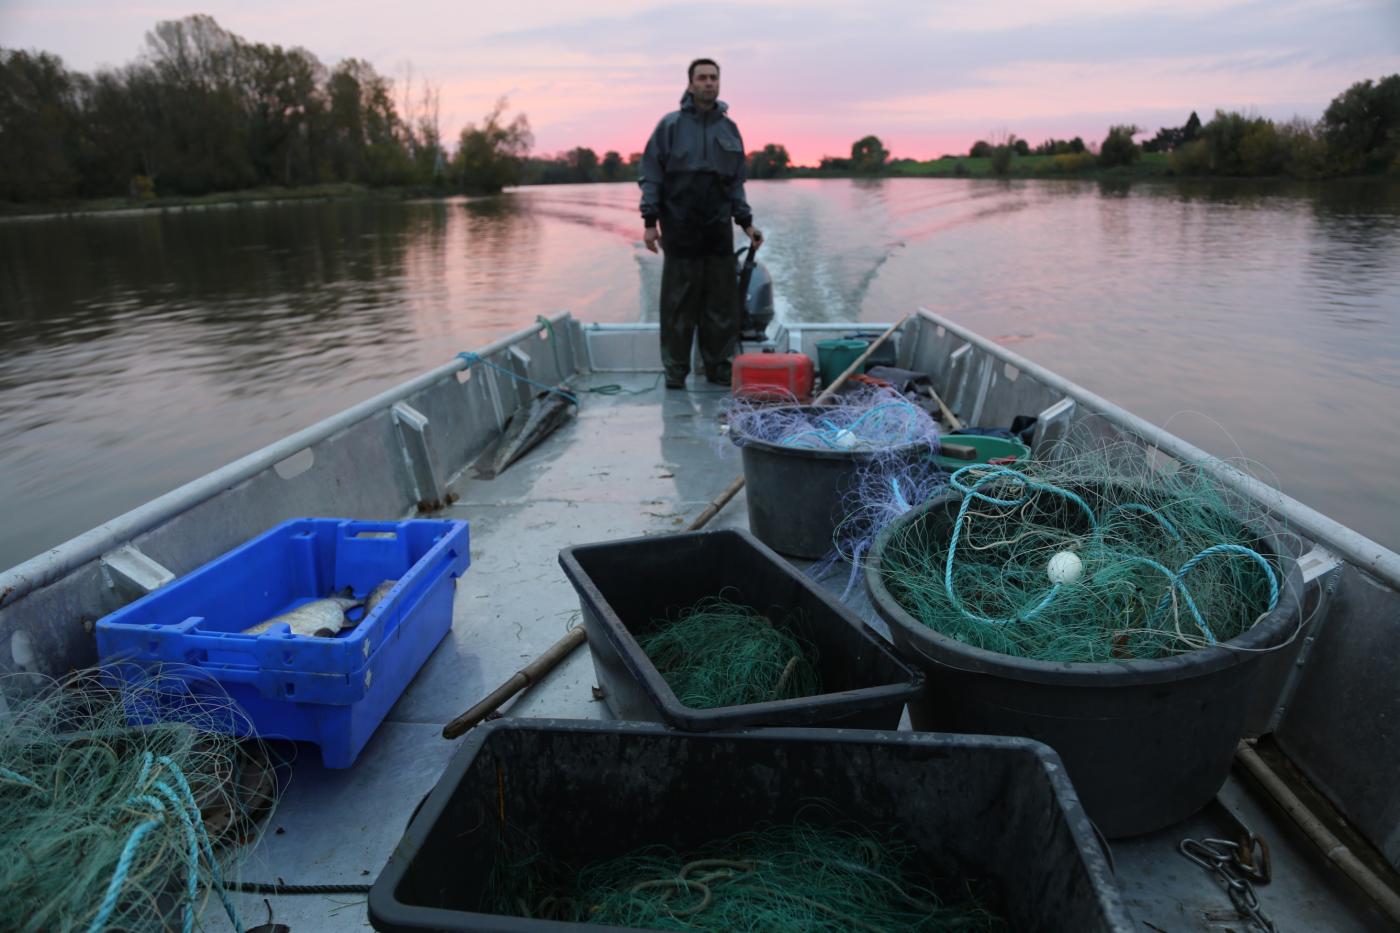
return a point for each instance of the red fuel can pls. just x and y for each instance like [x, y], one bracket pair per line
[773, 374]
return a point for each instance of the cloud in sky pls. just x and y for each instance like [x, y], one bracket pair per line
[926, 77]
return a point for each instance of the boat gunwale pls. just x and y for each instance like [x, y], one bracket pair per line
[61, 560]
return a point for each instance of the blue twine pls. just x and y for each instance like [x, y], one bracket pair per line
[899, 500]
[881, 435]
[855, 568]
[1175, 581]
[473, 358]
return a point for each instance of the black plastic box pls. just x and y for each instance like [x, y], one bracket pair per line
[624, 585]
[995, 809]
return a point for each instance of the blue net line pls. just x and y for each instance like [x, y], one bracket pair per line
[885, 431]
[472, 359]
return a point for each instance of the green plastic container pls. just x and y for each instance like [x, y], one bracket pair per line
[835, 356]
[988, 449]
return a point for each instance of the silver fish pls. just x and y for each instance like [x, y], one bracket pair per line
[321, 618]
[376, 596]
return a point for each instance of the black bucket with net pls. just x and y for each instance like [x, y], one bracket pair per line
[562, 825]
[1121, 625]
[797, 494]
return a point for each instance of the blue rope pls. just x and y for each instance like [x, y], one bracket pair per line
[214, 869]
[473, 358]
[21, 779]
[973, 493]
[1175, 581]
[195, 834]
[114, 887]
[1178, 581]
[192, 874]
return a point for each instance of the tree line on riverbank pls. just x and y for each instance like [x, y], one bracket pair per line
[203, 110]
[1359, 133]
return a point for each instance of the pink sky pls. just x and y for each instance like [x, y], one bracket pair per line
[927, 77]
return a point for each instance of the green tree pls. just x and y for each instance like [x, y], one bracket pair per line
[1169, 138]
[868, 156]
[1223, 137]
[1002, 155]
[980, 150]
[1191, 130]
[612, 167]
[1262, 151]
[287, 112]
[1022, 147]
[1362, 125]
[1305, 149]
[772, 161]
[583, 165]
[491, 156]
[39, 134]
[1118, 147]
[194, 98]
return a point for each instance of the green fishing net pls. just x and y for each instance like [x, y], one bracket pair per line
[1085, 558]
[722, 653]
[107, 825]
[776, 879]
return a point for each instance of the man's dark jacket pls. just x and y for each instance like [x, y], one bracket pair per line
[692, 179]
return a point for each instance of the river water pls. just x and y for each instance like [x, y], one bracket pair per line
[141, 350]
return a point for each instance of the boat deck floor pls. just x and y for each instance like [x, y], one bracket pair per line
[642, 461]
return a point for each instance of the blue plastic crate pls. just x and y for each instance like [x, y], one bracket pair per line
[333, 692]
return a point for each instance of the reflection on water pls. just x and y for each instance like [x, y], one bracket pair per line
[141, 350]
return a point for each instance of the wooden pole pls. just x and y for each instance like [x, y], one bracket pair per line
[529, 674]
[1333, 848]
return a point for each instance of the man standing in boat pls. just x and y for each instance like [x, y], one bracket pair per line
[692, 179]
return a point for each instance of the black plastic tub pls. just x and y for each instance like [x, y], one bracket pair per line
[993, 809]
[1147, 743]
[795, 495]
[624, 585]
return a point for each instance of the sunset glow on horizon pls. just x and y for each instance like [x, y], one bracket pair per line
[927, 78]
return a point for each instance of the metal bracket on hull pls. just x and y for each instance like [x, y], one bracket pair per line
[1052, 424]
[520, 365]
[132, 574]
[1322, 569]
[417, 452]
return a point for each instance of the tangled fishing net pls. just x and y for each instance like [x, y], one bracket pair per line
[797, 877]
[1081, 560]
[721, 653]
[881, 490]
[110, 826]
[862, 420]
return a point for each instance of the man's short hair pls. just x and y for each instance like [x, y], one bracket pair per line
[690, 72]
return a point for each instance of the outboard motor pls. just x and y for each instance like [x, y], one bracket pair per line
[756, 293]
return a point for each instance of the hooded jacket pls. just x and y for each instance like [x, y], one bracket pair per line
[692, 178]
